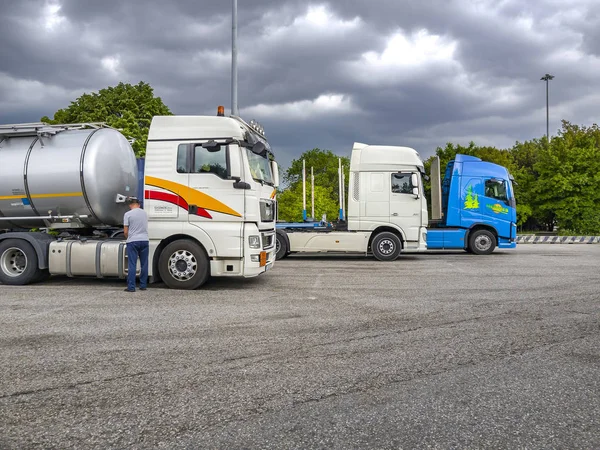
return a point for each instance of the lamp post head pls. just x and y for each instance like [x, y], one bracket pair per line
[547, 77]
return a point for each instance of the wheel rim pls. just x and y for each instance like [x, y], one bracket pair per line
[386, 247]
[183, 265]
[277, 245]
[13, 262]
[483, 243]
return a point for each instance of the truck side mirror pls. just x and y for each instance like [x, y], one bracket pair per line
[259, 148]
[414, 179]
[235, 164]
[275, 170]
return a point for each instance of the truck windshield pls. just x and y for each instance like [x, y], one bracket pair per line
[260, 168]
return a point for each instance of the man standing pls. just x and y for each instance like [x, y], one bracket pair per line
[135, 222]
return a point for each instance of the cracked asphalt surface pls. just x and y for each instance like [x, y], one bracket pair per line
[445, 350]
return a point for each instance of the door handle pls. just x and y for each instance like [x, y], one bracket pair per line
[394, 214]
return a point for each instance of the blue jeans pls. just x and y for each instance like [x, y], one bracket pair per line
[135, 249]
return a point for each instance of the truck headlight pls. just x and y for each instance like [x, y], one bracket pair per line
[254, 241]
[267, 211]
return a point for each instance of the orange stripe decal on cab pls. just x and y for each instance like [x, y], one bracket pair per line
[192, 196]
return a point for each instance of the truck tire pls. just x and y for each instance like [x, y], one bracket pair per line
[183, 264]
[386, 246]
[281, 246]
[18, 263]
[482, 242]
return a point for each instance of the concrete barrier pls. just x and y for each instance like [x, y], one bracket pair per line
[533, 239]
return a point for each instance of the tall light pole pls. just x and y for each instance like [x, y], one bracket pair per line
[234, 100]
[547, 78]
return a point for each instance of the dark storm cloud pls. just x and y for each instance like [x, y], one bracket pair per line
[317, 74]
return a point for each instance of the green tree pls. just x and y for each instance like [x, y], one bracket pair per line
[568, 178]
[325, 168]
[290, 204]
[525, 156]
[127, 107]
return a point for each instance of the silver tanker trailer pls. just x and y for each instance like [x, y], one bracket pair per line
[71, 179]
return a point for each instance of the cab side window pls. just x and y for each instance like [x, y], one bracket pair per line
[197, 159]
[210, 162]
[496, 189]
[402, 183]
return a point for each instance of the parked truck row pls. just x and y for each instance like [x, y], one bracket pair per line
[208, 185]
[473, 208]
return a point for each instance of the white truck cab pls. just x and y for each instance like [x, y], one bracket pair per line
[387, 209]
[211, 180]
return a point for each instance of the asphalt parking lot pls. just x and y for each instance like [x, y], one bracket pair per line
[444, 350]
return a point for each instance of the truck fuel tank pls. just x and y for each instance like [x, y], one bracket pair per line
[96, 258]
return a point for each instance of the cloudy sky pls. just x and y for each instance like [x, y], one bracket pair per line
[318, 74]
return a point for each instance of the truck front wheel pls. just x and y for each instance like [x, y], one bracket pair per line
[18, 263]
[482, 242]
[183, 264]
[386, 246]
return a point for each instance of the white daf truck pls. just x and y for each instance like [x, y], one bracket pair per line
[208, 186]
[387, 209]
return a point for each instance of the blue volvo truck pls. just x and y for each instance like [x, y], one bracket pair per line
[473, 207]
